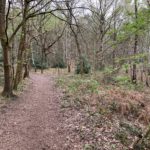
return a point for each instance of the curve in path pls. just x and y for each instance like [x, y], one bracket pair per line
[33, 121]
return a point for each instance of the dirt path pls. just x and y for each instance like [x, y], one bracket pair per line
[33, 121]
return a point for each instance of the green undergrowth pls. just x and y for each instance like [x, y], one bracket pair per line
[113, 101]
[125, 82]
[90, 93]
[78, 90]
[112, 76]
[78, 84]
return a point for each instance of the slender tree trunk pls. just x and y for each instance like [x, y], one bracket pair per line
[69, 67]
[80, 55]
[68, 49]
[20, 59]
[13, 60]
[26, 73]
[114, 38]
[27, 60]
[21, 50]
[78, 49]
[100, 61]
[134, 74]
[142, 70]
[42, 61]
[75, 34]
[68, 45]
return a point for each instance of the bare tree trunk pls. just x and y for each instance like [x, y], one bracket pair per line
[21, 50]
[7, 91]
[19, 70]
[79, 53]
[69, 67]
[27, 60]
[68, 48]
[42, 61]
[75, 34]
[26, 73]
[114, 37]
[2, 18]
[142, 70]
[134, 74]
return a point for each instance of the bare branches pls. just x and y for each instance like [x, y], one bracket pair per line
[47, 49]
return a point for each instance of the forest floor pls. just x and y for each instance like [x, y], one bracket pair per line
[34, 120]
[79, 115]
[105, 114]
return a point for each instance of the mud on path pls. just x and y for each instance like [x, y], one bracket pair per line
[34, 120]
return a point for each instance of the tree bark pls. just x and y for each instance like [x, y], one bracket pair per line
[134, 74]
[27, 59]
[21, 50]
[7, 91]
[75, 34]
[26, 73]
[19, 70]
[42, 61]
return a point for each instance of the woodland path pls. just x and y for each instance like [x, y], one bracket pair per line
[34, 120]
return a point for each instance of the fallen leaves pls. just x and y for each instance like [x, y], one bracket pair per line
[95, 116]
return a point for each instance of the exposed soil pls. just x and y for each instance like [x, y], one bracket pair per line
[34, 121]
